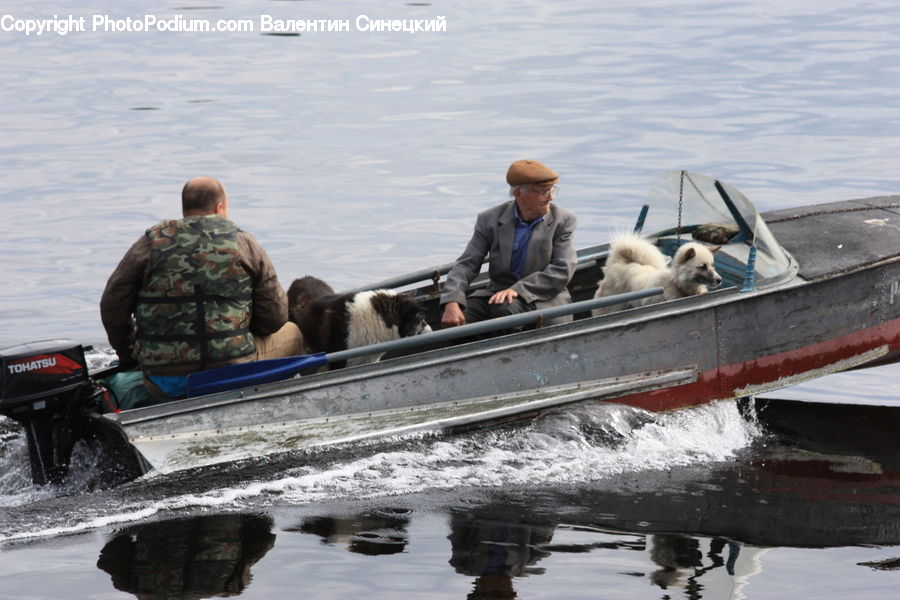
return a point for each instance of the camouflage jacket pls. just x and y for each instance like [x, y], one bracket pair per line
[200, 289]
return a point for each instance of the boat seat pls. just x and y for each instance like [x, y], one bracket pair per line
[715, 233]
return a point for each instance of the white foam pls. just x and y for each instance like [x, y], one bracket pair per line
[579, 446]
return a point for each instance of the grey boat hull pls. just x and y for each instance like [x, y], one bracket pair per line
[718, 346]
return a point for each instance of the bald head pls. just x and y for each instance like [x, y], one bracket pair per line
[203, 196]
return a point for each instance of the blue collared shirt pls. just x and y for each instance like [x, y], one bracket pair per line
[520, 243]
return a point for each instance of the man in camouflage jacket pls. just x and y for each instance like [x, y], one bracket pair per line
[196, 293]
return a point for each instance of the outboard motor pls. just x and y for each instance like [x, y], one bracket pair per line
[45, 387]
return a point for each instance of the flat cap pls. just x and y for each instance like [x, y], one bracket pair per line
[523, 172]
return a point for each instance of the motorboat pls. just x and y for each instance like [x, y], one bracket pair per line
[806, 291]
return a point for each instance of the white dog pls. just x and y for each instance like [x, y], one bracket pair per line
[634, 263]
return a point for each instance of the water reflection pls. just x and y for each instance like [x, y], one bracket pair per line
[374, 533]
[826, 476]
[495, 551]
[689, 532]
[697, 564]
[198, 557]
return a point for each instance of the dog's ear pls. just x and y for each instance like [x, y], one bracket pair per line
[688, 254]
[411, 294]
[714, 249]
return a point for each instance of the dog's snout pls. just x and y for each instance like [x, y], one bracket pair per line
[709, 277]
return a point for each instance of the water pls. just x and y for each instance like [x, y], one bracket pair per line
[356, 156]
[698, 503]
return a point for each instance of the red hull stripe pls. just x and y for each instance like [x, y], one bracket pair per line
[722, 383]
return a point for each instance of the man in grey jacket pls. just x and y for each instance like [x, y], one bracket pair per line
[532, 257]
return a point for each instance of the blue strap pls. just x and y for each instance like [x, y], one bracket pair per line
[251, 373]
[173, 386]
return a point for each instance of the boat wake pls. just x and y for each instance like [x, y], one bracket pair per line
[575, 445]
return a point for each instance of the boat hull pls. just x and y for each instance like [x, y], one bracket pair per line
[721, 345]
[778, 338]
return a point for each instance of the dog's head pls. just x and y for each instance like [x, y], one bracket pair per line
[303, 293]
[402, 311]
[694, 262]
[411, 316]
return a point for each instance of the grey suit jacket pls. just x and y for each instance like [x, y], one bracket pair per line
[549, 263]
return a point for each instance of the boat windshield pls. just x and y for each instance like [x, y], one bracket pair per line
[685, 205]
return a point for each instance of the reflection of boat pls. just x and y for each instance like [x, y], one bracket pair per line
[686, 529]
[865, 434]
[819, 489]
[375, 533]
[708, 527]
[807, 292]
[199, 557]
[711, 527]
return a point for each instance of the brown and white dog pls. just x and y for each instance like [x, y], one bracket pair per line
[331, 322]
[634, 263]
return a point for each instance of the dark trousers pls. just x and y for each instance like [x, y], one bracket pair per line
[478, 309]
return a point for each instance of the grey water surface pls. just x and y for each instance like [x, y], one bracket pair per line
[359, 155]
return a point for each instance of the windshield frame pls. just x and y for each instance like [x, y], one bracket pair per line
[679, 201]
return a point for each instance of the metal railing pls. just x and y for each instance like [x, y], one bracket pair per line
[492, 325]
[436, 272]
